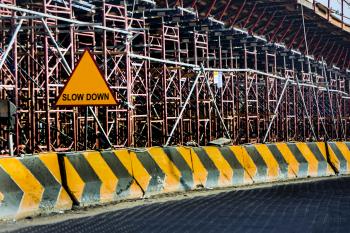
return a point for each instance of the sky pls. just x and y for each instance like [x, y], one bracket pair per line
[336, 5]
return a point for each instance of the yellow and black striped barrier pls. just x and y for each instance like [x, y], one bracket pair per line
[280, 161]
[215, 167]
[37, 184]
[309, 159]
[339, 154]
[93, 177]
[162, 170]
[31, 186]
[267, 163]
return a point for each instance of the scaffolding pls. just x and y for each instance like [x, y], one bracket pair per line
[179, 77]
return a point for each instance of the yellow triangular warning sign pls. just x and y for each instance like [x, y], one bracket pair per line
[86, 86]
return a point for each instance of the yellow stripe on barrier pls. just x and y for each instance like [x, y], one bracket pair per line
[273, 167]
[186, 154]
[109, 184]
[245, 160]
[200, 172]
[161, 170]
[311, 159]
[125, 158]
[225, 171]
[322, 147]
[199, 177]
[247, 163]
[293, 165]
[32, 189]
[51, 162]
[339, 155]
[345, 151]
[63, 200]
[74, 181]
[139, 172]
[334, 159]
[172, 174]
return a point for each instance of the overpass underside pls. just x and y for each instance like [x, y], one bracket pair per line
[182, 71]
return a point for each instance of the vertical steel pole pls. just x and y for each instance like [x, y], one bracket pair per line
[47, 90]
[309, 71]
[185, 105]
[276, 109]
[86, 128]
[17, 84]
[11, 43]
[342, 14]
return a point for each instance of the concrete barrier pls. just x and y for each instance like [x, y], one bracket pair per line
[216, 167]
[339, 155]
[312, 158]
[38, 184]
[31, 186]
[163, 170]
[95, 178]
[238, 163]
[265, 167]
[286, 161]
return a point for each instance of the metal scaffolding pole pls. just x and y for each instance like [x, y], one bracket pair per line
[152, 63]
[12, 41]
[276, 109]
[184, 106]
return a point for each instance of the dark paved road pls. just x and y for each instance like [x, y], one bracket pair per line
[322, 206]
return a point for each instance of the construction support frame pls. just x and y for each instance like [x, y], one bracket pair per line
[175, 82]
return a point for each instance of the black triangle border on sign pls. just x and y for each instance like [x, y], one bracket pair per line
[73, 72]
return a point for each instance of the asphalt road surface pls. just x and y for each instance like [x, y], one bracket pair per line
[322, 206]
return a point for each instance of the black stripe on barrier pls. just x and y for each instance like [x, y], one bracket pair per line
[125, 180]
[13, 195]
[259, 162]
[322, 163]
[91, 192]
[156, 184]
[238, 170]
[343, 164]
[282, 163]
[213, 172]
[186, 179]
[52, 187]
[303, 164]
